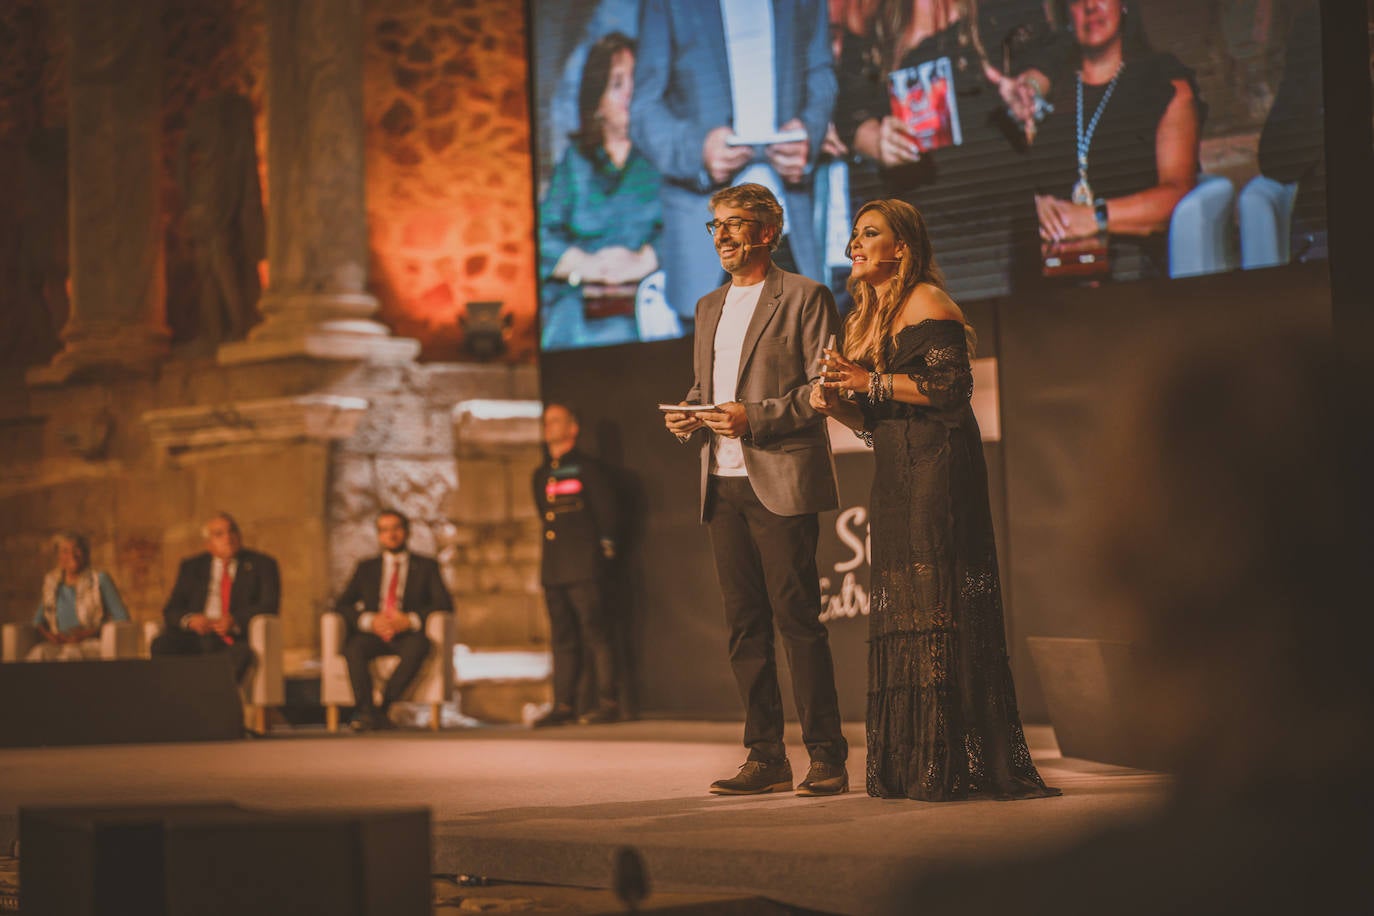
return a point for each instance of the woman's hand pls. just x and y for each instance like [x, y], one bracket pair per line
[1020, 94]
[887, 141]
[839, 373]
[896, 144]
[617, 264]
[81, 634]
[1061, 220]
[574, 263]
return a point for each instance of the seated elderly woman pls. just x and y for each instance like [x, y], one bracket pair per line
[76, 602]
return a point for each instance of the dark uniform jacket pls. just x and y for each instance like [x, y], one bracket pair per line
[577, 506]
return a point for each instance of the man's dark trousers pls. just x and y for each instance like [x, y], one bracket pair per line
[187, 642]
[577, 616]
[767, 569]
[361, 648]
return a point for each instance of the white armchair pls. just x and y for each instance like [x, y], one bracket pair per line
[118, 639]
[1200, 229]
[433, 684]
[264, 686]
[1265, 210]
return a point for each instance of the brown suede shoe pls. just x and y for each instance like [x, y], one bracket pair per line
[756, 778]
[602, 715]
[824, 779]
[559, 715]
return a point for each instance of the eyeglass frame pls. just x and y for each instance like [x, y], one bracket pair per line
[712, 226]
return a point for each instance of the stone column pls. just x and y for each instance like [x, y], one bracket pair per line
[114, 120]
[316, 303]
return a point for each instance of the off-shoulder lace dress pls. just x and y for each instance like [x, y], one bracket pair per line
[942, 716]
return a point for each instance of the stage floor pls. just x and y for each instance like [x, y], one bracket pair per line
[550, 807]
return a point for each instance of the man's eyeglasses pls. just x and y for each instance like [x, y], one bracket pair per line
[733, 224]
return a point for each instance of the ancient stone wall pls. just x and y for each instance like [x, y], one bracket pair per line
[460, 477]
[449, 192]
[304, 454]
[302, 451]
[450, 196]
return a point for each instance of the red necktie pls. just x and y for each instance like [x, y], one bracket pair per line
[389, 604]
[226, 587]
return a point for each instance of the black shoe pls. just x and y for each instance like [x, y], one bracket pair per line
[559, 715]
[601, 716]
[370, 720]
[756, 778]
[824, 779]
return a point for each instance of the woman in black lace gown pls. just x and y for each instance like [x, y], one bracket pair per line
[942, 718]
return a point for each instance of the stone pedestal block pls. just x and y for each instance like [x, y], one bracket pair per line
[179, 431]
[267, 462]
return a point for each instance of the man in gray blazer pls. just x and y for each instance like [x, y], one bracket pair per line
[693, 63]
[766, 471]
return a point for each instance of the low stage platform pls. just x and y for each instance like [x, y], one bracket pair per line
[550, 807]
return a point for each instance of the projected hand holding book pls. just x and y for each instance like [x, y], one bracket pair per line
[923, 99]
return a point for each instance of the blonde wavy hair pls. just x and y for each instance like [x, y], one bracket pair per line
[892, 19]
[875, 313]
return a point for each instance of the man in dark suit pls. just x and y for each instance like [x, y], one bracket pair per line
[386, 603]
[766, 471]
[577, 506]
[215, 596]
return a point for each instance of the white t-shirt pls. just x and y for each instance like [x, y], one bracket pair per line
[727, 455]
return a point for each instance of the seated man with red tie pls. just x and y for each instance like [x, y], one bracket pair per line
[386, 603]
[216, 593]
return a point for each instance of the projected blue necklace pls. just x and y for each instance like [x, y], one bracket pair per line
[1082, 191]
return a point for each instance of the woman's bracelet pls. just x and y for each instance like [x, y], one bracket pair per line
[879, 388]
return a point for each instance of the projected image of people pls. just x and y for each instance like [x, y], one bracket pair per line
[728, 93]
[600, 220]
[921, 97]
[942, 720]
[1047, 143]
[1119, 151]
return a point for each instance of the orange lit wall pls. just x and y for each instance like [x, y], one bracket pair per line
[449, 195]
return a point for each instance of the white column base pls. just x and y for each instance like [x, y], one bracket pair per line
[321, 342]
[319, 326]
